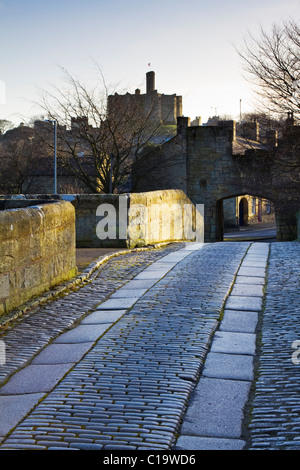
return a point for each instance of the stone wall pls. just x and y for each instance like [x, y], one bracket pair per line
[164, 166]
[137, 219]
[37, 251]
[287, 226]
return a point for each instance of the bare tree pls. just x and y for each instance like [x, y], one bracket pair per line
[99, 140]
[272, 65]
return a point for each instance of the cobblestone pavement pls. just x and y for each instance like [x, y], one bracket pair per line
[27, 336]
[275, 404]
[122, 362]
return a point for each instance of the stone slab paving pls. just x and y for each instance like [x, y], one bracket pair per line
[130, 390]
[65, 353]
[103, 316]
[82, 334]
[249, 281]
[229, 366]
[35, 378]
[13, 408]
[119, 303]
[234, 343]
[216, 409]
[123, 293]
[242, 302]
[247, 290]
[239, 321]
[209, 443]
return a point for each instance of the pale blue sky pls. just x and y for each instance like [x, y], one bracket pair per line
[189, 43]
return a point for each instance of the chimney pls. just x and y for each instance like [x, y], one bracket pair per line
[290, 119]
[150, 82]
[272, 138]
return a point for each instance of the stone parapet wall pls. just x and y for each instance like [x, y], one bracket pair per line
[86, 206]
[125, 220]
[37, 251]
[165, 216]
[138, 219]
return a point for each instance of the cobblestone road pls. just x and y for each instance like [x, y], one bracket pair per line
[141, 362]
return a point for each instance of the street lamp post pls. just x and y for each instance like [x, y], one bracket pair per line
[55, 155]
[111, 172]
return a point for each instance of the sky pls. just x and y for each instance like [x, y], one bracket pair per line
[191, 45]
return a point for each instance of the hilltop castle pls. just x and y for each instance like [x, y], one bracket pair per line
[162, 108]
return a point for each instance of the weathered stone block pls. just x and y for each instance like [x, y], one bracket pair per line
[4, 286]
[37, 251]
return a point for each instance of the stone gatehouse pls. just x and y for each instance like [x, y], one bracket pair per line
[212, 164]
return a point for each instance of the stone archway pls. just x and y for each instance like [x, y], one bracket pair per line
[240, 206]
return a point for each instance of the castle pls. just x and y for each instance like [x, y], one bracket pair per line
[160, 107]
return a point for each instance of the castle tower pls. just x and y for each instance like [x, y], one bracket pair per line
[150, 82]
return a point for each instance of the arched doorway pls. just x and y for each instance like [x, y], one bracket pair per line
[243, 212]
[248, 217]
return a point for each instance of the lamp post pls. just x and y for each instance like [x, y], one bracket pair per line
[55, 156]
[111, 173]
[240, 111]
